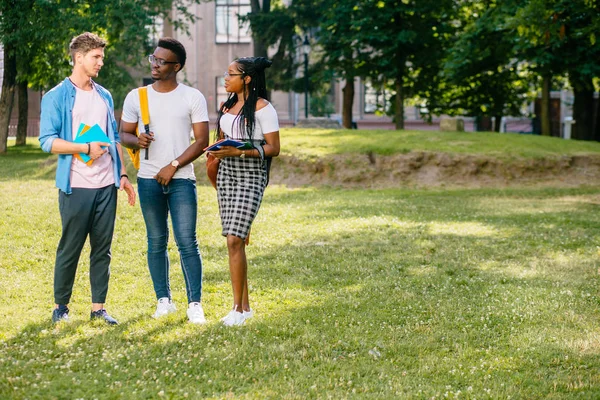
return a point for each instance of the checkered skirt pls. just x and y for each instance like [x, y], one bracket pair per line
[241, 183]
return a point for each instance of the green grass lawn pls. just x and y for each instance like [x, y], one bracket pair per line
[315, 143]
[358, 293]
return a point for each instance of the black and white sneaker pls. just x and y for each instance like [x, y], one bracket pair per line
[102, 314]
[60, 314]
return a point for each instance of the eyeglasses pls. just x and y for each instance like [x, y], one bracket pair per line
[226, 74]
[159, 61]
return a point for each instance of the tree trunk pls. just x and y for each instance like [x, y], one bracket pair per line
[399, 112]
[597, 123]
[260, 50]
[497, 122]
[545, 112]
[583, 108]
[347, 101]
[23, 114]
[8, 95]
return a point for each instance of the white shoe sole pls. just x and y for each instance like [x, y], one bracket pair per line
[160, 315]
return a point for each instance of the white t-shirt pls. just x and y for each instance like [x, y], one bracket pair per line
[90, 109]
[266, 122]
[171, 117]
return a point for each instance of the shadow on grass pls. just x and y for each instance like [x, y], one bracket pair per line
[27, 162]
[414, 333]
[339, 312]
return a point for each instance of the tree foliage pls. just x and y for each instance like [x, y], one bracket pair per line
[481, 58]
[482, 76]
[36, 33]
[558, 38]
[406, 40]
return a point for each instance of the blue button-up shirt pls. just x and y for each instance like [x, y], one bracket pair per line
[56, 121]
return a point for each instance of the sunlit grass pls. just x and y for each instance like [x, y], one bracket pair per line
[311, 143]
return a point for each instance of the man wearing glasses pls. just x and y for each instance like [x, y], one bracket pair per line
[166, 180]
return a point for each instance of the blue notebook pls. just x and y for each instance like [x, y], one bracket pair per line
[93, 134]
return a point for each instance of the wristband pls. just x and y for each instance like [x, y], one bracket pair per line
[89, 149]
[124, 176]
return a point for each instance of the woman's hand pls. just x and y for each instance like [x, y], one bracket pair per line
[226, 151]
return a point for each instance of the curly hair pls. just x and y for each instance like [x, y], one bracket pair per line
[176, 47]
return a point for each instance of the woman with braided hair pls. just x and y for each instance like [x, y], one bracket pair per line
[248, 116]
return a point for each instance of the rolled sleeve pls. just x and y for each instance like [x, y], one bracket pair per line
[50, 123]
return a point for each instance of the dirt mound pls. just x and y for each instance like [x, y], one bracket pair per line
[423, 169]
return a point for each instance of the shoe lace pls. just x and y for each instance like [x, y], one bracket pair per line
[196, 308]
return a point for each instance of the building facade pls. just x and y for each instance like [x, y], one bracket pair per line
[217, 38]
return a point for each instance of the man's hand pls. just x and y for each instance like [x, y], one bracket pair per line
[128, 188]
[145, 139]
[165, 175]
[97, 150]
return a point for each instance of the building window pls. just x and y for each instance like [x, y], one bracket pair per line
[376, 99]
[229, 29]
[222, 95]
[156, 30]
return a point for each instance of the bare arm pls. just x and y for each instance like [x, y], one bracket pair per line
[129, 138]
[194, 151]
[61, 146]
[120, 153]
[272, 145]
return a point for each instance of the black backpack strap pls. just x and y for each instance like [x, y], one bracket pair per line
[266, 160]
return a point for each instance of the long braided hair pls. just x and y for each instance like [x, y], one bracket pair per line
[254, 67]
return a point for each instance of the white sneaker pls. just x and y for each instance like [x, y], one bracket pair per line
[165, 306]
[234, 318]
[248, 314]
[195, 313]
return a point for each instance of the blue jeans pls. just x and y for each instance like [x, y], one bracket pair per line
[179, 198]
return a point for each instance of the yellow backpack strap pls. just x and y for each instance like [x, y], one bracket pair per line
[134, 153]
[143, 93]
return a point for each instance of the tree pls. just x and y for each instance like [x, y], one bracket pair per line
[23, 113]
[539, 38]
[36, 45]
[559, 37]
[343, 52]
[484, 78]
[281, 28]
[581, 52]
[274, 28]
[260, 48]
[8, 93]
[406, 40]
[9, 22]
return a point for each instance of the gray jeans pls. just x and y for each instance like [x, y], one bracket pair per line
[85, 212]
